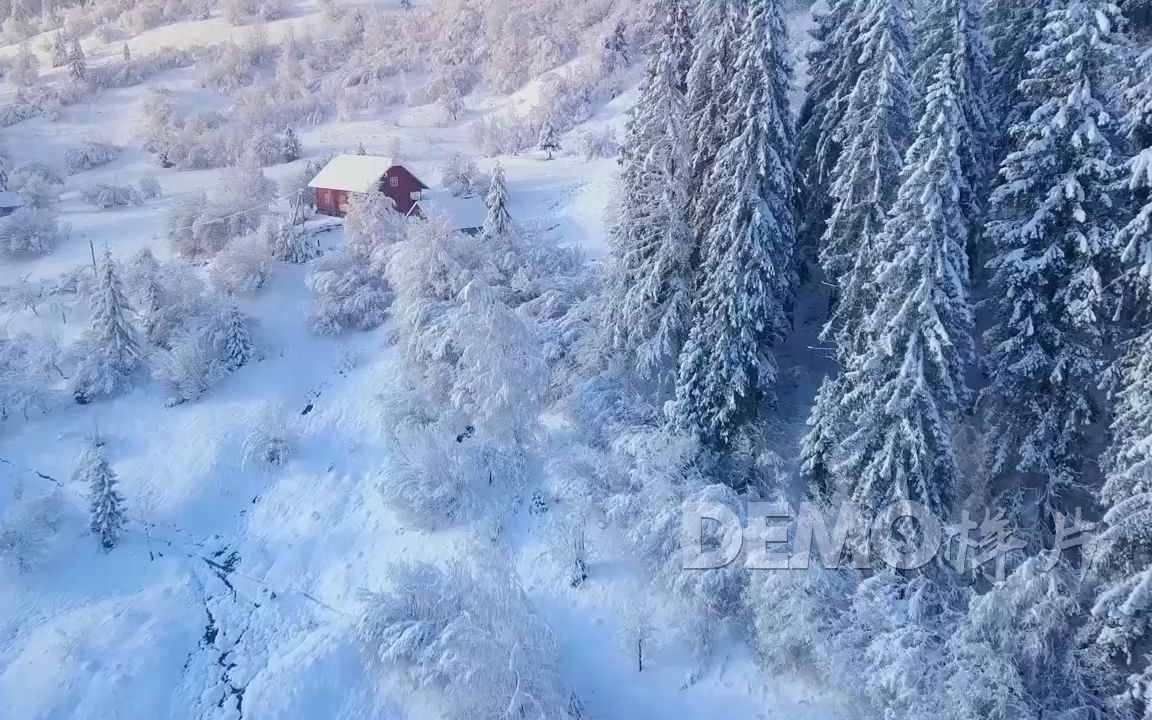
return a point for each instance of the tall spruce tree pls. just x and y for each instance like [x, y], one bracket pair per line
[1054, 222]
[909, 380]
[745, 278]
[711, 97]
[832, 73]
[111, 352]
[876, 130]
[954, 29]
[650, 290]
[77, 63]
[1123, 552]
[1014, 28]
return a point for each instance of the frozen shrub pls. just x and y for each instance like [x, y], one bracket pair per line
[468, 633]
[89, 155]
[600, 143]
[190, 368]
[502, 136]
[30, 528]
[110, 196]
[29, 231]
[269, 444]
[245, 266]
[461, 176]
[194, 231]
[149, 187]
[431, 478]
[345, 295]
[38, 184]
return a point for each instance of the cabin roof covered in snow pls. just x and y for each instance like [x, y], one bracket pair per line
[465, 213]
[9, 199]
[352, 173]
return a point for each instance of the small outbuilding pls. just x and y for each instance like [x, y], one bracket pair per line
[467, 214]
[348, 175]
[10, 202]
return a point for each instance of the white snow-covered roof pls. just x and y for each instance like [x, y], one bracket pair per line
[465, 213]
[9, 199]
[352, 173]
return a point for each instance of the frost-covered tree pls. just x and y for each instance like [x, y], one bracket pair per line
[549, 140]
[243, 267]
[461, 175]
[908, 382]
[648, 300]
[953, 29]
[126, 53]
[467, 633]
[346, 295]
[745, 279]
[109, 352]
[501, 380]
[498, 222]
[30, 529]
[1054, 222]
[372, 226]
[190, 367]
[106, 504]
[290, 145]
[89, 155]
[25, 70]
[30, 232]
[77, 63]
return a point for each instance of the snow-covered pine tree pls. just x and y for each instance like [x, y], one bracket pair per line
[149, 294]
[1122, 553]
[549, 139]
[290, 145]
[498, 222]
[126, 53]
[231, 338]
[77, 63]
[954, 28]
[1052, 231]
[744, 284]
[110, 353]
[59, 49]
[1135, 238]
[711, 96]
[908, 382]
[874, 132]
[832, 73]
[106, 504]
[1014, 28]
[26, 70]
[649, 294]
[287, 242]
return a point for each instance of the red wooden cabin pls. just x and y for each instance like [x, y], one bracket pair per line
[348, 175]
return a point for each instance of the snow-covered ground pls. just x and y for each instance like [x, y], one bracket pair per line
[235, 589]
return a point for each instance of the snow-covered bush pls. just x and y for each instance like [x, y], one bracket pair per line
[285, 241]
[270, 443]
[371, 227]
[190, 368]
[431, 478]
[200, 227]
[29, 231]
[30, 529]
[25, 361]
[496, 135]
[599, 143]
[461, 176]
[89, 155]
[149, 187]
[345, 295]
[245, 266]
[37, 183]
[468, 633]
[110, 196]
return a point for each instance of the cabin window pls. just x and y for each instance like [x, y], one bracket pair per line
[394, 181]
